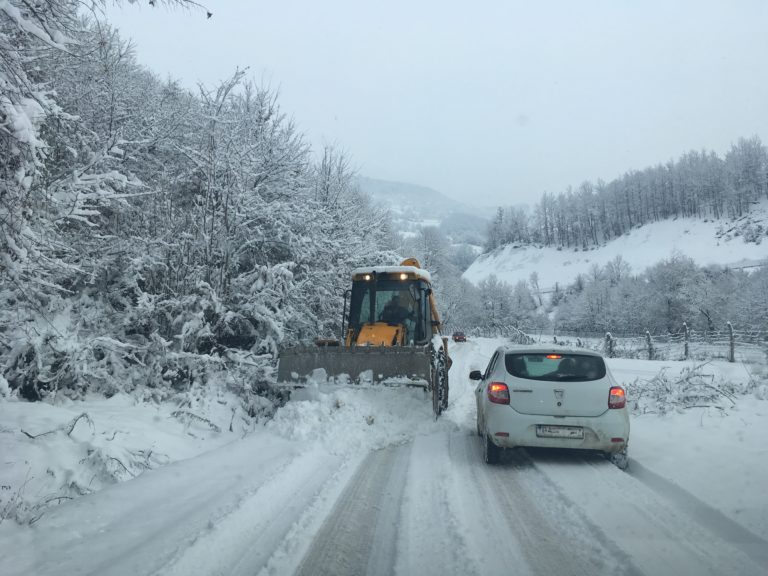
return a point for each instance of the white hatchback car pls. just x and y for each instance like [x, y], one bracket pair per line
[550, 398]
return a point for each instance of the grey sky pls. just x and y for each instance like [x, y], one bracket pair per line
[488, 102]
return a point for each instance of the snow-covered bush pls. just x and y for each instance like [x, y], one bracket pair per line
[692, 388]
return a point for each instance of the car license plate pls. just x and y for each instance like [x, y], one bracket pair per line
[543, 431]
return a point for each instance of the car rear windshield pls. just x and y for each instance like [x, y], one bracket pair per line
[556, 367]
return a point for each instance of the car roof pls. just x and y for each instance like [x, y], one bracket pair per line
[548, 350]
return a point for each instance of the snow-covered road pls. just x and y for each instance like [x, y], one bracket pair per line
[364, 482]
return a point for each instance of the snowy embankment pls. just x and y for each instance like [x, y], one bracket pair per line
[56, 452]
[283, 495]
[716, 453]
[266, 493]
[705, 241]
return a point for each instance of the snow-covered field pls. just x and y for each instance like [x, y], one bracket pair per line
[704, 241]
[365, 481]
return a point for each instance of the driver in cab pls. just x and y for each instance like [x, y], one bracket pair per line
[395, 311]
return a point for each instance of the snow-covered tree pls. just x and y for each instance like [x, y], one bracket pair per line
[155, 239]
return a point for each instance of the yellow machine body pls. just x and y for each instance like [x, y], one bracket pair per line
[389, 331]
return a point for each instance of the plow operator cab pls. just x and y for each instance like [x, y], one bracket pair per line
[391, 336]
[390, 307]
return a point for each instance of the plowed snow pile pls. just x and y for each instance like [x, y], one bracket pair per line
[53, 453]
[348, 420]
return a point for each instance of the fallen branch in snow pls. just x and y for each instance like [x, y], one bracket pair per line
[11, 508]
[57, 499]
[180, 414]
[33, 436]
[692, 389]
[718, 391]
[123, 466]
[69, 428]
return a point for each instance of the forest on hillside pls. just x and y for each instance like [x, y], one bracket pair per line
[153, 239]
[699, 184]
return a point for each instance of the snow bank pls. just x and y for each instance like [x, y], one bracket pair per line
[54, 453]
[719, 456]
[349, 420]
[717, 453]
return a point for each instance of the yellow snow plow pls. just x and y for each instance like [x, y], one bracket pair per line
[391, 336]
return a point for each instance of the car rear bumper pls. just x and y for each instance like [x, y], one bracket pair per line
[608, 432]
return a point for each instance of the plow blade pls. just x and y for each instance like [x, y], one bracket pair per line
[358, 365]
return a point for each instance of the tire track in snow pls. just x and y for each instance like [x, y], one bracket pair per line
[243, 540]
[359, 536]
[657, 533]
[142, 526]
[433, 540]
[717, 522]
[552, 534]
[486, 523]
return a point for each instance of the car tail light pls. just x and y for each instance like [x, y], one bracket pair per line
[616, 397]
[498, 393]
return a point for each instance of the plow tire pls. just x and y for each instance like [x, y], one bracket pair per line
[439, 381]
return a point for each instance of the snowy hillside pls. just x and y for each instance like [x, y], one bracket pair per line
[706, 241]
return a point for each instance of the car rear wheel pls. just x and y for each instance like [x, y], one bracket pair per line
[619, 459]
[491, 452]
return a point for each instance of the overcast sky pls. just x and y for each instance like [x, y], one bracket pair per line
[490, 102]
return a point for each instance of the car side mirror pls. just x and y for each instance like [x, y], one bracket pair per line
[475, 375]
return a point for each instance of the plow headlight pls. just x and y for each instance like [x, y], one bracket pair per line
[367, 277]
[403, 276]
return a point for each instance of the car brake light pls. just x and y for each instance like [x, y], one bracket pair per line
[498, 393]
[616, 397]
[554, 356]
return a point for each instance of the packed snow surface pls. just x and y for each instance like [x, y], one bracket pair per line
[707, 242]
[355, 481]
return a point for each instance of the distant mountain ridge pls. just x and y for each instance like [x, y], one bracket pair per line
[405, 198]
[414, 206]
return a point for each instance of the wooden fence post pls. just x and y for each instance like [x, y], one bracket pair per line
[686, 336]
[732, 350]
[609, 345]
[649, 342]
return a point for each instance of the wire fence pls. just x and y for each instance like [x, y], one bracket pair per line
[734, 345]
